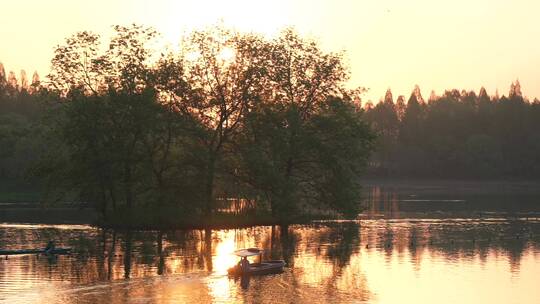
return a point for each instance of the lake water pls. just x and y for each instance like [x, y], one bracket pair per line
[410, 246]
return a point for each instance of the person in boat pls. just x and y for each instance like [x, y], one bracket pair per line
[50, 247]
[244, 265]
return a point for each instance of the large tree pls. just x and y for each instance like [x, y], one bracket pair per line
[194, 113]
[114, 124]
[302, 141]
[219, 80]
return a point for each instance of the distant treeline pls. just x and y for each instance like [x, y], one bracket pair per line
[177, 133]
[457, 135]
[21, 111]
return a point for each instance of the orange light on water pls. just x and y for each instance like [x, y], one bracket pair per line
[224, 257]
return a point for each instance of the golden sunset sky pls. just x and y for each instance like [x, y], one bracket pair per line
[438, 45]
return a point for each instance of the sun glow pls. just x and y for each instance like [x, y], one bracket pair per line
[369, 31]
[219, 283]
[193, 56]
[224, 252]
[227, 55]
[262, 17]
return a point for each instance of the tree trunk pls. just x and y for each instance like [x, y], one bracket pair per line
[112, 195]
[288, 171]
[209, 199]
[128, 187]
[103, 205]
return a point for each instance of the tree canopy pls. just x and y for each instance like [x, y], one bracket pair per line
[228, 116]
[460, 134]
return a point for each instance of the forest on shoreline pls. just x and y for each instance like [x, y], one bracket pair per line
[458, 135]
[266, 126]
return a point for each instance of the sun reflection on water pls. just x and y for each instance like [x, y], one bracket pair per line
[223, 255]
[375, 262]
[223, 258]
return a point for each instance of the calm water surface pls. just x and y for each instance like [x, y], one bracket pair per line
[397, 253]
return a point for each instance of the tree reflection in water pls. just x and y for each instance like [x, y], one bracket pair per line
[325, 261]
[127, 254]
[161, 262]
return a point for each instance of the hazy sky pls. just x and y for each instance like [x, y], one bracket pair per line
[390, 43]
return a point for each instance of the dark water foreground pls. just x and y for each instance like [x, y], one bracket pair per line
[490, 260]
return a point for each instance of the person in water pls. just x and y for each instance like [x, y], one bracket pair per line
[50, 247]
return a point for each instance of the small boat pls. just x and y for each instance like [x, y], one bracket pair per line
[36, 251]
[260, 268]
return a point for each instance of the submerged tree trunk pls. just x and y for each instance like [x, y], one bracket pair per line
[161, 262]
[111, 253]
[285, 243]
[284, 231]
[208, 248]
[127, 255]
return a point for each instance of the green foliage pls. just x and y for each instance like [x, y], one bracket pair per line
[20, 136]
[298, 164]
[460, 135]
[142, 136]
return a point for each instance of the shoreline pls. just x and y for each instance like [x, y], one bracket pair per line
[35, 217]
[525, 191]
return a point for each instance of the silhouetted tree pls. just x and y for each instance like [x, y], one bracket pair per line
[114, 127]
[12, 83]
[295, 139]
[134, 132]
[24, 81]
[3, 80]
[400, 106]
[222, 72]
[76, 64]
[36, 84]
[461, 134]
[412, 118]
[385, 121]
